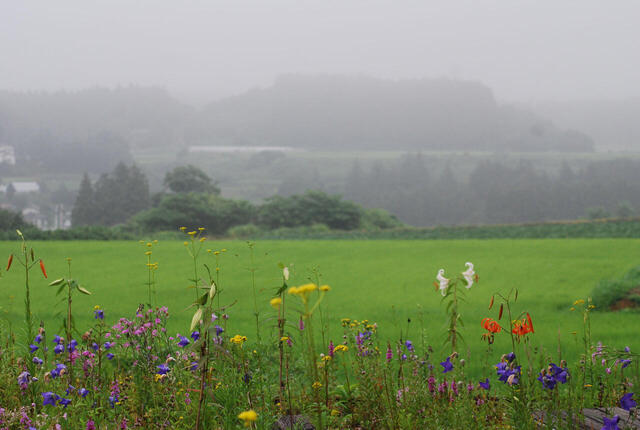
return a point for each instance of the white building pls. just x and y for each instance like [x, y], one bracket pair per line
[7, 155]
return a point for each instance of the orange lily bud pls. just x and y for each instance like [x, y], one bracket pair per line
[9, 262]
[44, 272]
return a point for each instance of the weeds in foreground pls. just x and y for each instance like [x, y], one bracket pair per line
[129, 372]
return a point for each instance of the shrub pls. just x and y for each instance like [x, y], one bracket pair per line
[245, 231]
[621, 293]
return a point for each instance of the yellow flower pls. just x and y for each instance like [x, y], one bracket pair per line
[325, 288]
[185, 243]
[572, 309]
[202, 239]
[192, 233]
[326, 358]
[248, 417]
[201, 228]
[578, 302]
[303, 291]
[96, 307]
[147, 253]
[316, 385]
[335, 412]
[183, 228]
[216, 253]
[339, 348]
[284, 338]
[275, 302]
[238, 339]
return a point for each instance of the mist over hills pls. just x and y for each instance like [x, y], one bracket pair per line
[367, 113]
[309, 112]
[613, 124]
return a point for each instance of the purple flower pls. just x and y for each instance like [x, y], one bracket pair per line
[110, 356]
[49, 398]
[33, 348]
[37, 360]
[95, 346]
[214, 317]
[507, 374]
[485, 384]
[56, 372]
[64, 402]
[301, 324]
[448, 367]
[57, 339]
[183, 341]
[24, 378]
[163, 369]
[72, 345]
[69, 389]
[82, 392]
[331, 349]
[625, 363]
[627, 402]
[59, 349]
[219, 330]
[108, 345]
[195, 335]
[389, 353]
[510, 357]
[91, 425]
[409, 345]
[404, 357]
[98, 314]
[38, 338]
[611, 423]
[194, 366]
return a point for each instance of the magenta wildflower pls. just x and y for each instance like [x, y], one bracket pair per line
[331, 349]
[90, 425]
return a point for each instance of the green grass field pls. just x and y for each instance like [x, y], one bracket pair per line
[383, 281]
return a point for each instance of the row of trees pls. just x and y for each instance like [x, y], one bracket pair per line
[192, 199]
[492, 192]
[113, 198]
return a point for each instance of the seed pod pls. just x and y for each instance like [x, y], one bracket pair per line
[44, 272]
[500, 313]
[491, 304]
[33, 257]
[9, 262]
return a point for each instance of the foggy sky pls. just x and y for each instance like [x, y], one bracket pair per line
[201, 50]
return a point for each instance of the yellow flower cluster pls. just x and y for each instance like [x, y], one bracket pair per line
[248, 417]
[303, 291]
[275, 302]
[348, 322]
[316, 385]
[343, 348]
[238, 339]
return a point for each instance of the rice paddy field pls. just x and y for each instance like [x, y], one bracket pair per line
[387, 282]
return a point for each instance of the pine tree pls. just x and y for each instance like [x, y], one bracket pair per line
[84, 212]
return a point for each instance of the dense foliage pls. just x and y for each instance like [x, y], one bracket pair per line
[113, 199]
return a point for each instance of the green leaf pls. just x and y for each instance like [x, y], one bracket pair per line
[197, 317]
[203, 299]
[82, 290]
[56, 282]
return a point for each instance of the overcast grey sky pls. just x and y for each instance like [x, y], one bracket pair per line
[200, 50]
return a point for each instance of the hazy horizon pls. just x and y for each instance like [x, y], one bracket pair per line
[528, 52]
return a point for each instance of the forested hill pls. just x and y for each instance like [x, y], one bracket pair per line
[311, 112]
[368, 113]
